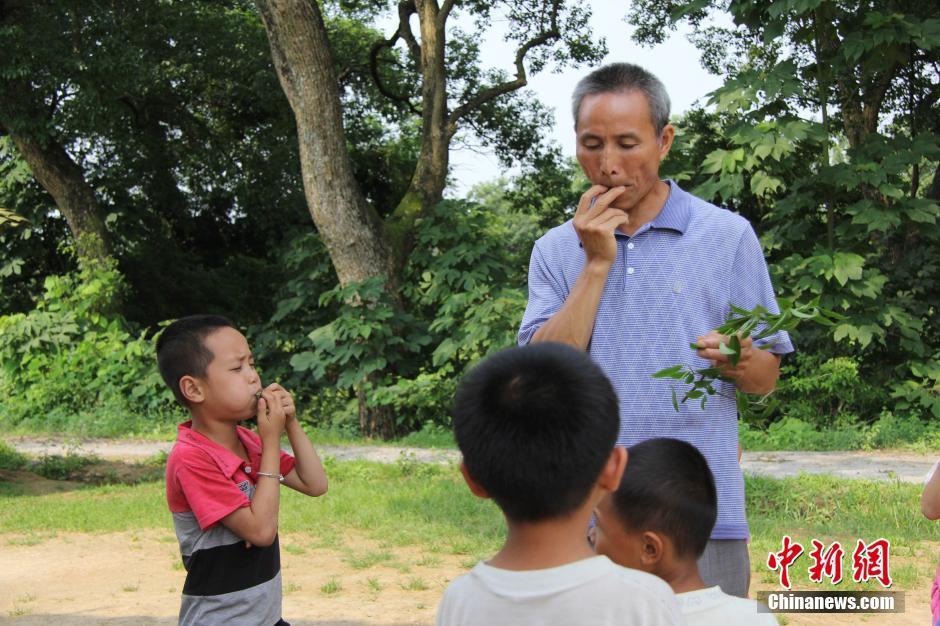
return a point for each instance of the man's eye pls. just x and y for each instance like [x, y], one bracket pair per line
[628, 146]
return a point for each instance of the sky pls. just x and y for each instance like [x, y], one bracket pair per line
[675, 62]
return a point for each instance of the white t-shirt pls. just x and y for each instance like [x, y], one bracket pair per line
[591, 591]
[713, 607]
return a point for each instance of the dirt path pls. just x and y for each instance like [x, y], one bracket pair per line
[134, 579]
[876, 465]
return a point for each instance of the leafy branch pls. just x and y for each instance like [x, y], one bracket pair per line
[740, 324]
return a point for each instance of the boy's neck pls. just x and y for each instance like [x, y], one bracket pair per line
[684, 576]
[223, 433]
[545, 544]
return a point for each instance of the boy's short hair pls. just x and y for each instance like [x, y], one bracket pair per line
[668, 488]
[182, 351]
[536, 424]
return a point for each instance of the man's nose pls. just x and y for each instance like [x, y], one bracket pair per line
[608, 162]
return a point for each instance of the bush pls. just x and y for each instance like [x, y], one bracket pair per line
[462, 297]
[72, 364]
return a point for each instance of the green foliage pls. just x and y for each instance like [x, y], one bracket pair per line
[740, 325]
[825, 136]
[10, 459]
[887, 431]
[73, 364]
[460, 300]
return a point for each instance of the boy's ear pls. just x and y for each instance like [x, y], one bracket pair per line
[475, 487]
[191, 388]
[653, 548]
[613, 469]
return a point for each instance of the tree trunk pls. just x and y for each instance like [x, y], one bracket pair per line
[53, 168]
[351, 230]
[427, 183]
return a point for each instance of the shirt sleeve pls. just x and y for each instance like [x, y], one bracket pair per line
[546, 297]
[211, 494]
[287, 463]
[751, 286]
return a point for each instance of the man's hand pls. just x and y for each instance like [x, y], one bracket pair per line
[757, 370]
[595, 224]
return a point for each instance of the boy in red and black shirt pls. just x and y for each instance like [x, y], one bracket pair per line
[222, 480]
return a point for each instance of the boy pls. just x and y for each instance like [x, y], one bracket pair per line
[222, 480]
[536, 426]
[659, 521]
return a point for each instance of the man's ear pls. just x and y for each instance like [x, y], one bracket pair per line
[653, 548]
[475, 487]
[665, 140]
[610, 476]
[192, 390]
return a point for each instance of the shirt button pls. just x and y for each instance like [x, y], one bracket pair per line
[630, 270]
[247, 469]
[630, 246]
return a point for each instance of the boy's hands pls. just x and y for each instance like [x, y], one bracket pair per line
[286, 400]
[271, 415]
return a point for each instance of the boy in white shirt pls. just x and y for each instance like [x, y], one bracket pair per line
[659, 521]
[537, 426]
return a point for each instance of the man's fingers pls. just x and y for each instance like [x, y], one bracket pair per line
[609, 222]
[603, 201]
[588, 200]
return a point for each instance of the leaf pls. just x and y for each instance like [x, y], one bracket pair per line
[846, 266]
[670, 372]
[675, 401]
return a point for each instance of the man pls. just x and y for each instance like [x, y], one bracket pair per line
[643, 270]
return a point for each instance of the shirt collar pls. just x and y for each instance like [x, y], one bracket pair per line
[228, 461]
[676, 213]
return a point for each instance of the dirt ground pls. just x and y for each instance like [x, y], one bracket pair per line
[134, 578]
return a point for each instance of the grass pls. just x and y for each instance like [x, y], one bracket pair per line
[333, 586]
[415, 584]
[396, 505]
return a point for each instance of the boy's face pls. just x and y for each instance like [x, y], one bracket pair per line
[613, 540]
[231, 381]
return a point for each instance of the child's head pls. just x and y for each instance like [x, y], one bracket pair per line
[660, 518]
[206, 362]
[536, 426]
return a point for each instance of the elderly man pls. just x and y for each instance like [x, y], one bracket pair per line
[641, 271]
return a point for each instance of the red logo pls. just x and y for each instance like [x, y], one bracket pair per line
[784, 559]
[871, 561]
[826, 563]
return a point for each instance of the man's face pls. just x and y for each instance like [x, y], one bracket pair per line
[613, 540]
[618, 144]
[231, 380]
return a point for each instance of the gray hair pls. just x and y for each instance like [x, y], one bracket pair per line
[618, 77]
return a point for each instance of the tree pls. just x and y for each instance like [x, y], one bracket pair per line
[361, 244]
[826, 124]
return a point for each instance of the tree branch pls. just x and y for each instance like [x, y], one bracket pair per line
[377, 79]
[444, 13]
[520, 81]
[406, 8]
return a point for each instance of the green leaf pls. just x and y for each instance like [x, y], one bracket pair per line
[670, 372]
[847, 266]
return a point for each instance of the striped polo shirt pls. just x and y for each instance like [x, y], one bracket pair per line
[673, 281]
[226, 582]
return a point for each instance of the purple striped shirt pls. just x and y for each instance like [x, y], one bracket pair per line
[672, 282]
